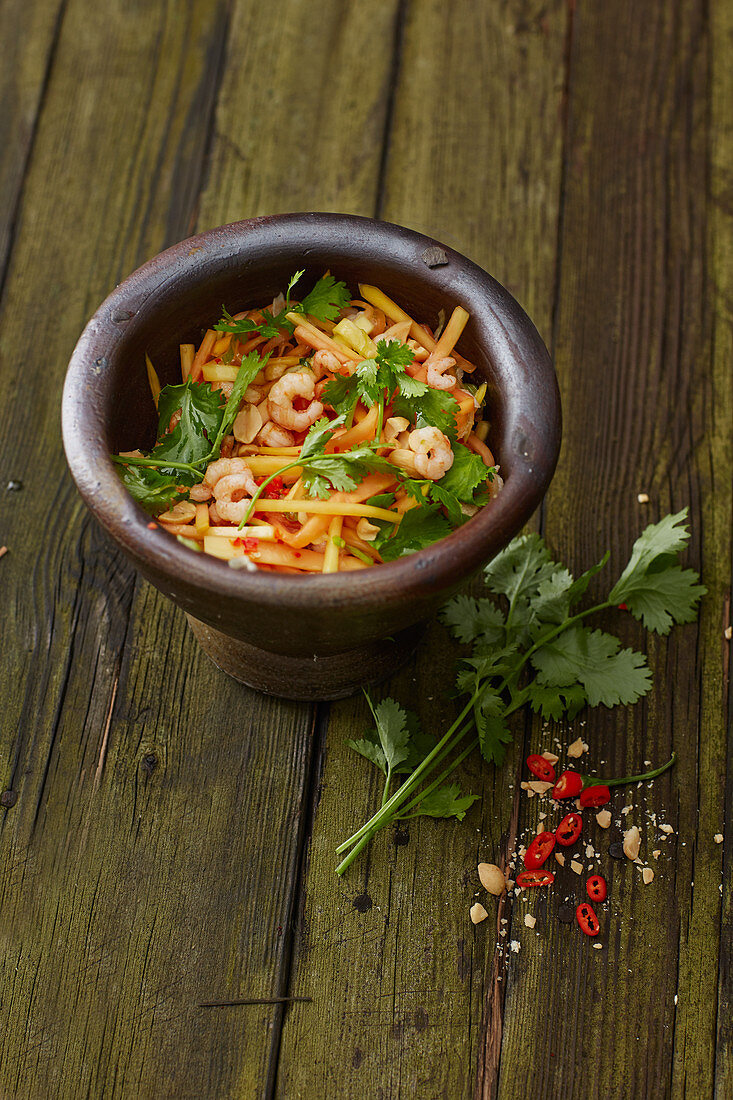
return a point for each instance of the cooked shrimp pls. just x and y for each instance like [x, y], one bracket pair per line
[228, 476]
[433, 452]
[270, 435]
[280, 401]
[436, 376]
[326, 360]
[200, 492]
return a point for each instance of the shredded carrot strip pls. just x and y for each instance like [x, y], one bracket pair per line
[480, 448]
[202, 355]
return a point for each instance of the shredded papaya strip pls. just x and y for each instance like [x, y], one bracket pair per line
[153, 379]
[187, 352]
[330, 507]
[331, 556]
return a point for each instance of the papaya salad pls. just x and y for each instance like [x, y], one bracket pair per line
[320, 435]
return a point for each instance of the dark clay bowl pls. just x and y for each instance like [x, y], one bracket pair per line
[314, 637]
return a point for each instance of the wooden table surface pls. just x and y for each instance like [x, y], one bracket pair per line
[172, 840]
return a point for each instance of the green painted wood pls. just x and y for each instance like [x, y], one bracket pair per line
[151, 861]
[29, 33]
[647, 409]
[390, 948]
[719, 244]
[301, 118]
[142, 775]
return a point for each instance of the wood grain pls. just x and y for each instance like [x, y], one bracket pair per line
[30, 32]
[173, 837]
[646, 410]
[162, 806]
[390, 946]
[301, 118]
[141, 773]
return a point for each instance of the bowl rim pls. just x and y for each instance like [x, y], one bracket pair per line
[412, 576]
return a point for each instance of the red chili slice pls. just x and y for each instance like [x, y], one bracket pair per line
[539, 850]
[597, 795]
[596, 888]
[540, 767]
[587, 919]
[535, 878]
[568, 830]
[275, 488]
[568, 785]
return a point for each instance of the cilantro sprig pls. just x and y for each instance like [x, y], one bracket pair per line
[325, 472]
[182, 454]
[325, 302]
[530, 647]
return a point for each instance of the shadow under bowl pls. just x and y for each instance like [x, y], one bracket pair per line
[322, 636]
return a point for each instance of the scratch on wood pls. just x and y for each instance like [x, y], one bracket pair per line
[491, 1031]
[105, 736]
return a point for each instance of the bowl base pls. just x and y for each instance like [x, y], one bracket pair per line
[306, 678]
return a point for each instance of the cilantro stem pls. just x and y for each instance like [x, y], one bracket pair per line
[131, 460]
[403, 815]
[386, 812]
[595, 781]
[389, 809]
[263, 486]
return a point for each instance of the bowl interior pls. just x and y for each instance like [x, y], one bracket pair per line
[183, 316]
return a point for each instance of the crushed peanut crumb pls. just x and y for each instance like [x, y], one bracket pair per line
[577, 748]
[539, 786]
[577, 867]
[560, 858]
[718, 838]
[477, 913]
[3, 551]
[643, 498]
[529, 920]
[666, 829]
[632, 842]
[603, 817]
[647, 875]
[728, 632]
[491, 878]
[515, 946]
[597, 946]
[656, 853]
[551, 757]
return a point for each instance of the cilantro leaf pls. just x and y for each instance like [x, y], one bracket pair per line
[245, 326]
[608, 674]
[201, 413]
[445, 801]
[396, 355]
[342, 394]
[467, 473]
[472, 620]
[251, 366]
[326, 300]
[149, 487]
[433, 408]
[491, 726]
[653, 586]
[552, 702]
[420, 527]
[398, 744]
[318, 436]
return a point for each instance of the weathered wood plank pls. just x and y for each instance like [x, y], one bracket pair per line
[390, 947]
[300, 122]
[161, 805]
[719, 245]
[646, 410]
[29, 34]
[129, 858]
